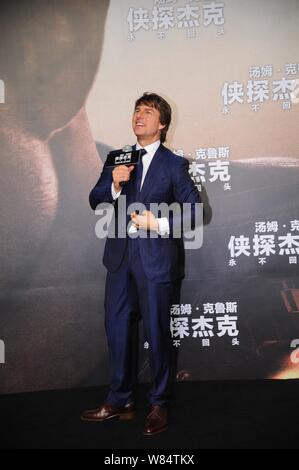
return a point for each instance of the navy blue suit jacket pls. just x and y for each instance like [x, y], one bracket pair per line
[168, 181]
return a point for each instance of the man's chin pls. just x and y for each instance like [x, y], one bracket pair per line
[140, 130]
[139, 134]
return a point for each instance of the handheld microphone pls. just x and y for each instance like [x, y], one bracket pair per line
[125, 156]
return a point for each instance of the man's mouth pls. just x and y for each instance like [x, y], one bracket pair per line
[140, 124]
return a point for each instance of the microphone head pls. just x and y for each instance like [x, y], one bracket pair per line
[127, 148]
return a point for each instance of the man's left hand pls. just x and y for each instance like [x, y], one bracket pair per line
[145, 221]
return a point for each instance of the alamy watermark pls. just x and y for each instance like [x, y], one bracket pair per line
[295, 354]
[2, 92]
[2, 352]
[185, 221]
[295, 93]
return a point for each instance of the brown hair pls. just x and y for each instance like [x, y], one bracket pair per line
[155, 101]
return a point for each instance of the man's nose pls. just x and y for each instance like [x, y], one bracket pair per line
[140, 115]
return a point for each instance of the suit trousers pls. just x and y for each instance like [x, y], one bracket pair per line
[129, 292]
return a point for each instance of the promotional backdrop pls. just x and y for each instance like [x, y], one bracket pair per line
[70, 72]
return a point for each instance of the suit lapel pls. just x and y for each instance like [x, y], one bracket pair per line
[152, 173]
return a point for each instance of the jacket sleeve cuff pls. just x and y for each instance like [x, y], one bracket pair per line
[115, 195]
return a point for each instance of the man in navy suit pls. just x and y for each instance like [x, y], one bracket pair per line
[145, 264]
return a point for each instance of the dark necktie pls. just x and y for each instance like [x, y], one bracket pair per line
[139, 173]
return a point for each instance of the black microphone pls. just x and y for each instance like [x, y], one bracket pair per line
[125, 156]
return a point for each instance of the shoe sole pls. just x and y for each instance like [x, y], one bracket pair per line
[155, 433]
[122, 417]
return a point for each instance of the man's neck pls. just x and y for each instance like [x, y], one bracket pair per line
[146, 143]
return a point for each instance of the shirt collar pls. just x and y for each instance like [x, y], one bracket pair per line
[151, 149]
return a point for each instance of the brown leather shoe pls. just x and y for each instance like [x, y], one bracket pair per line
[156, 421]
[124, 413]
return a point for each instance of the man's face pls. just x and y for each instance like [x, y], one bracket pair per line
[146, 124]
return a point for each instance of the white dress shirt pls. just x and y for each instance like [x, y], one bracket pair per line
[147, 160]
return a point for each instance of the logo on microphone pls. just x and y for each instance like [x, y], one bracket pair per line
[124, 156]
[124, 159]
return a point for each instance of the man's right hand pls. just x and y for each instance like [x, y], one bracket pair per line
[121, 174]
